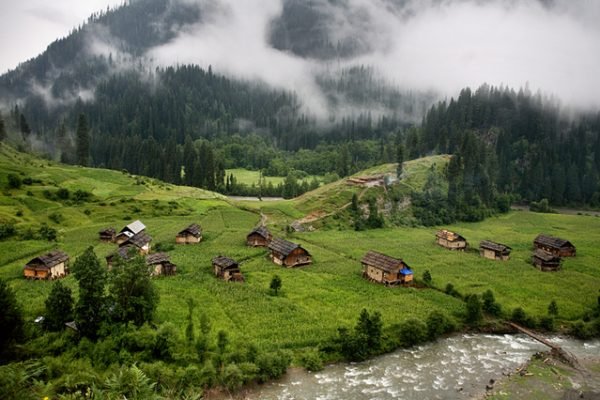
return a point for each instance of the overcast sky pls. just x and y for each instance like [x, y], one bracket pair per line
[445, 44]
[27, 27]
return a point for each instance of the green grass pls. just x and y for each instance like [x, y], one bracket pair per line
[248, 177]
[316, 299]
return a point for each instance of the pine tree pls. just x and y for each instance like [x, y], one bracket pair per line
[133, 295]
[59, 307]
[82, 153]
[2, 130]
[91, 306]
[24, 127]
[399, 160]
[275, 284]
[11, 320]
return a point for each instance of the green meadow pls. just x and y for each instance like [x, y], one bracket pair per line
[315, 299]
[248, 177]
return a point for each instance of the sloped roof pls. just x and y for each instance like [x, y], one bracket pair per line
[193, 229]
[551, 241]
[449, 235]
[224, 262]
[135, 227]
[126, 252]
[157, 258]
[487, 244]
[108, 231]
[283, 246]
[139, 240]
[382, 261]
[545, 256]
[50, 259]
[262, 231]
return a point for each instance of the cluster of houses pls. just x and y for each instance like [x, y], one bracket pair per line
[133, 240]
[547, 254]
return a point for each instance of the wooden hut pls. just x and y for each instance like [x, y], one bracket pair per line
[125, 252]
[129, 231]
[191, 234]
[160, 264]
[450, 240]
[227, 269]
[52, 265]
[259, 237]
[288, 254]
[107, 235]
[545, 261]
[141, 241]
[494, 251]
[385, 269]
[557, 246]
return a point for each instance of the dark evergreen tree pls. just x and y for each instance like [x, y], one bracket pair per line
[2, 129]
[474, 314]
[90, 309]
[82, 152]
[399, 160]
[24, 127]
[11, 321]
[59, 307]
[275, 285]
[133, 296]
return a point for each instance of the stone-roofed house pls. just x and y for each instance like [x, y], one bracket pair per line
[557, 246]
[160, 264]
[545, 261]
[107, 235]
[129, 231]
[52, 265]
[385, 269]
[191, 234]
[288, 254]
[227, 269]
[494, 251]
[450, 240]
[259, 237]
[140, 240]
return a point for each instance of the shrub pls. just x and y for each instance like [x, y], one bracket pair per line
[48, 233]
[547, 323]
[56, 217]
[427, 277]
[14, 182]
[412, 332]
[490, 305]
[311, 360]
[232, 377]
[450, 290]
[438, 324]
[63, 193]
[81, 196]
[553, 308]
[474, 314]
[6, 231]
[518, 316]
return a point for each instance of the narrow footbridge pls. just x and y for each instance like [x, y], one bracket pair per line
[556, 349]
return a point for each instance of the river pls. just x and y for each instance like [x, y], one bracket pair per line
[458, 367]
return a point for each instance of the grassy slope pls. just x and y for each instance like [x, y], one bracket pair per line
[316, 299]
[249, 177]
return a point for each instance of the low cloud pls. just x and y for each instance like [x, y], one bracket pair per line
[435, 45]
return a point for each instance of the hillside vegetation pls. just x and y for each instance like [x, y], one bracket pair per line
[314, 300]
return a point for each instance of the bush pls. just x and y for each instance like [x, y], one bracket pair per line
[490, 305]
[450, 290]
[542, 207]
[518, 316]
[56, 217]
[311, 360]
[14, 182]
[48, 233]
[81, 196]
[232, 377]
[272, 365]
[474, 314]
[547, 323]
[427, 277]
[6, 231]
[438, 324]
[412, 332]
[63, 193]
